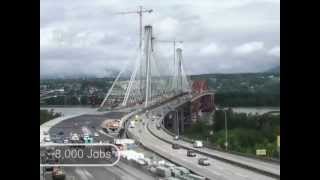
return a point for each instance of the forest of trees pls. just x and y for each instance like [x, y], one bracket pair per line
[231, 90]
[247, 132]
[46, 115]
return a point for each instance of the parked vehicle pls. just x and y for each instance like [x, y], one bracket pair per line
[58, 174]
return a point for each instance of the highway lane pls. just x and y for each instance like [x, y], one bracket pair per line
[76, 125]
[273, 168]
[121, 171]
[91, 122]
[218, 170]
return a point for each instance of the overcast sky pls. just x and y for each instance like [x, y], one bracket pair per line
[87, 37]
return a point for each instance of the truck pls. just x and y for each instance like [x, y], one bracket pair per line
[58, 174]
[163, 172]
[198, 144]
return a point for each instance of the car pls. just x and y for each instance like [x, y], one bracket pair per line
[61, 133]
[191, 153]
[175, 146]
[204, 161]
[47, 139]
[176, 138]
[48, 169]
[65, 141]
[96, 134]
[198, 144]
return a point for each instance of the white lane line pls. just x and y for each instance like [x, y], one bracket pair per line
[81, 174]
[241, 175]
[88, 174]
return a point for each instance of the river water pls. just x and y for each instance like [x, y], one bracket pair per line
[254, 110]
[66, 111]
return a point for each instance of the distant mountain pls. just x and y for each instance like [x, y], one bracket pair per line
[274, 70]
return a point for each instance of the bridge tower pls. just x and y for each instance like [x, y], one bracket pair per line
[179, 78]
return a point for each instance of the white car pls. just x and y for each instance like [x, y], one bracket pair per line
[75, 137]
[47, 139]
[198, 144]
[96, 134]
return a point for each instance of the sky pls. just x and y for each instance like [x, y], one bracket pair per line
[89, 37]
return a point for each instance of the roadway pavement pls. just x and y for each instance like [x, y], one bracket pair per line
[121, 171]
[218, 170]
[91, 122]
[269, 167]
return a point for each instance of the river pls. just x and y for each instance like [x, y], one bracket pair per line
[253, 110]
[66, 111]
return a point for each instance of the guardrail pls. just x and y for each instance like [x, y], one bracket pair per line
[188, 140]
[211, 146]
[220, 158]
[132, 136]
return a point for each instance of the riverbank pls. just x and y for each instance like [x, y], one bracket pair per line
[254, 110]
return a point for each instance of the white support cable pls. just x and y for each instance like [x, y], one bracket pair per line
[160, 84]
[111, 88]
[132, 78]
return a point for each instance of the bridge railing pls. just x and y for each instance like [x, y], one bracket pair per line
[215, 147]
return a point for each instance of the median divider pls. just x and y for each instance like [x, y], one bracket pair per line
[268, 173]
[210, 146]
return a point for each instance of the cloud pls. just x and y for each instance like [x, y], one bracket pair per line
[212, 49]
[248, 48]
[87, 37]
[275, 51]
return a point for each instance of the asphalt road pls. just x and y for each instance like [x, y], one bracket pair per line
[91, 123]
[217, 170]
[273, 168]
[121, 171]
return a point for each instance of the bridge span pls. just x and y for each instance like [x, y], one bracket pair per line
[224, 165]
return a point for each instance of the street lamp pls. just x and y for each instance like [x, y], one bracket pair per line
[226, 127]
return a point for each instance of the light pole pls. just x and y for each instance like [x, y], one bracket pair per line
[226, 129]
[226, 144]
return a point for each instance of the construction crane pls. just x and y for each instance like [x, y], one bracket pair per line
[140, 11]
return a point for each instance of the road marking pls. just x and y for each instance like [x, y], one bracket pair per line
[80, 173]
[88, 174]
[241, 175]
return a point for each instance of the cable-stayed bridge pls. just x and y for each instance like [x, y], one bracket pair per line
[153, 85]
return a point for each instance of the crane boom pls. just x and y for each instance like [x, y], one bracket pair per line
[140, 11]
